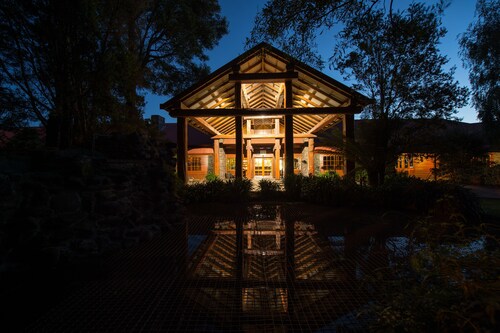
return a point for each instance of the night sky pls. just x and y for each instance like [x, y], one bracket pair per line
[240, 15]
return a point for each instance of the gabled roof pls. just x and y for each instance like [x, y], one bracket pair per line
[311, 89]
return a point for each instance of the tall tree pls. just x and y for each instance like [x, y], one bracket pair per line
[84, 65]
[294, 24]
[480, 50]
[394, 58]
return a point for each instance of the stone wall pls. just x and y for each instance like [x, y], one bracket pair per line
[222, 163]
[304, 166]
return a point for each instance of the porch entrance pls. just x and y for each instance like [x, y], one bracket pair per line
[263, 166]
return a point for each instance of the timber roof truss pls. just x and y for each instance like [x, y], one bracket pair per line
[262, 72]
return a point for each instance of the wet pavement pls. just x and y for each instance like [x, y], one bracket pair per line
[261, 268]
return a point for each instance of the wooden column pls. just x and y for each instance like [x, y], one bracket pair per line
[348, 133]
[239, 262]
[290, 257]
[288, 130]
[277, 153]
[182, 144]
[310, 156]
[249, 159]
[238, 123]
[216, 158]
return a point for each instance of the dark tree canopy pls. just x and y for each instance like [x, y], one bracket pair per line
[83, 66]
[395, 60]
[294, 24]
[480, 49]
[392, 55]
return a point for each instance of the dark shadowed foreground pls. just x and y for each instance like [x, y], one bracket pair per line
[258, 268]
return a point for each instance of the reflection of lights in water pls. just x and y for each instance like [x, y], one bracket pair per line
[337, 243]
[398, 246]
[194, 241]
[265, 262]
[327, 272]
[401, 247]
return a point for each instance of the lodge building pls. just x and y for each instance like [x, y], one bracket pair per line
[263, 112]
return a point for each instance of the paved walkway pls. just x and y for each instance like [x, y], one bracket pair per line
[484, 191]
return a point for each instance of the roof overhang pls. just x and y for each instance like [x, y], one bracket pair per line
[319, 101]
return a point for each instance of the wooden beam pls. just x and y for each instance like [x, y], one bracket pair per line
[290, 257]
[277, 156]
[278, 96]
[310, 156]
[216, 158]
[262, 112]
[279, 232]
[263, 117]
[263, 77]
[205, 124]
[323, 123]
[246, 99]
[182, 146]
[222, 101]
[264, 136]
[224, 91]
[289, 126]
[249, 174]
[238, 124]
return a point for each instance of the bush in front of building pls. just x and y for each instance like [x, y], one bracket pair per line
[237, 190]
[400, 191]
[217, 190]
[333, 190]
[269, 189]
[491, 176]
[293, 186]
[211, 177]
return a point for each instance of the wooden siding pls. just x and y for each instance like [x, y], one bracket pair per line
[199, 174]
[416, 165]
[322, 168]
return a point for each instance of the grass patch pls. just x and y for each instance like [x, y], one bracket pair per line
[491, 206]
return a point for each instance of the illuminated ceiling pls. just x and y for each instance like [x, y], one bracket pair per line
[264, 267]
[310, 89]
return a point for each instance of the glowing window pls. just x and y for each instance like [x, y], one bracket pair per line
[194, 163]
[333, 162]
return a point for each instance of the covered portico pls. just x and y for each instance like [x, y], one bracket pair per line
[264, 109]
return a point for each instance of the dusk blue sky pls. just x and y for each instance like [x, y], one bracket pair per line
[240, 15]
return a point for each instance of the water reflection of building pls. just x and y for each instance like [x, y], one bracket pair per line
[271, 269]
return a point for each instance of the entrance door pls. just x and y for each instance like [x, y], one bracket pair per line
[263, 166]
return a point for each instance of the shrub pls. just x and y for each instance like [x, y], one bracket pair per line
[293, 185]
[211, 177]
[491, 176]
[446, 281]
[237, 190]
[234, 190]
[400, 191]
[268, 188]
[203, 192]
[404, 192]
